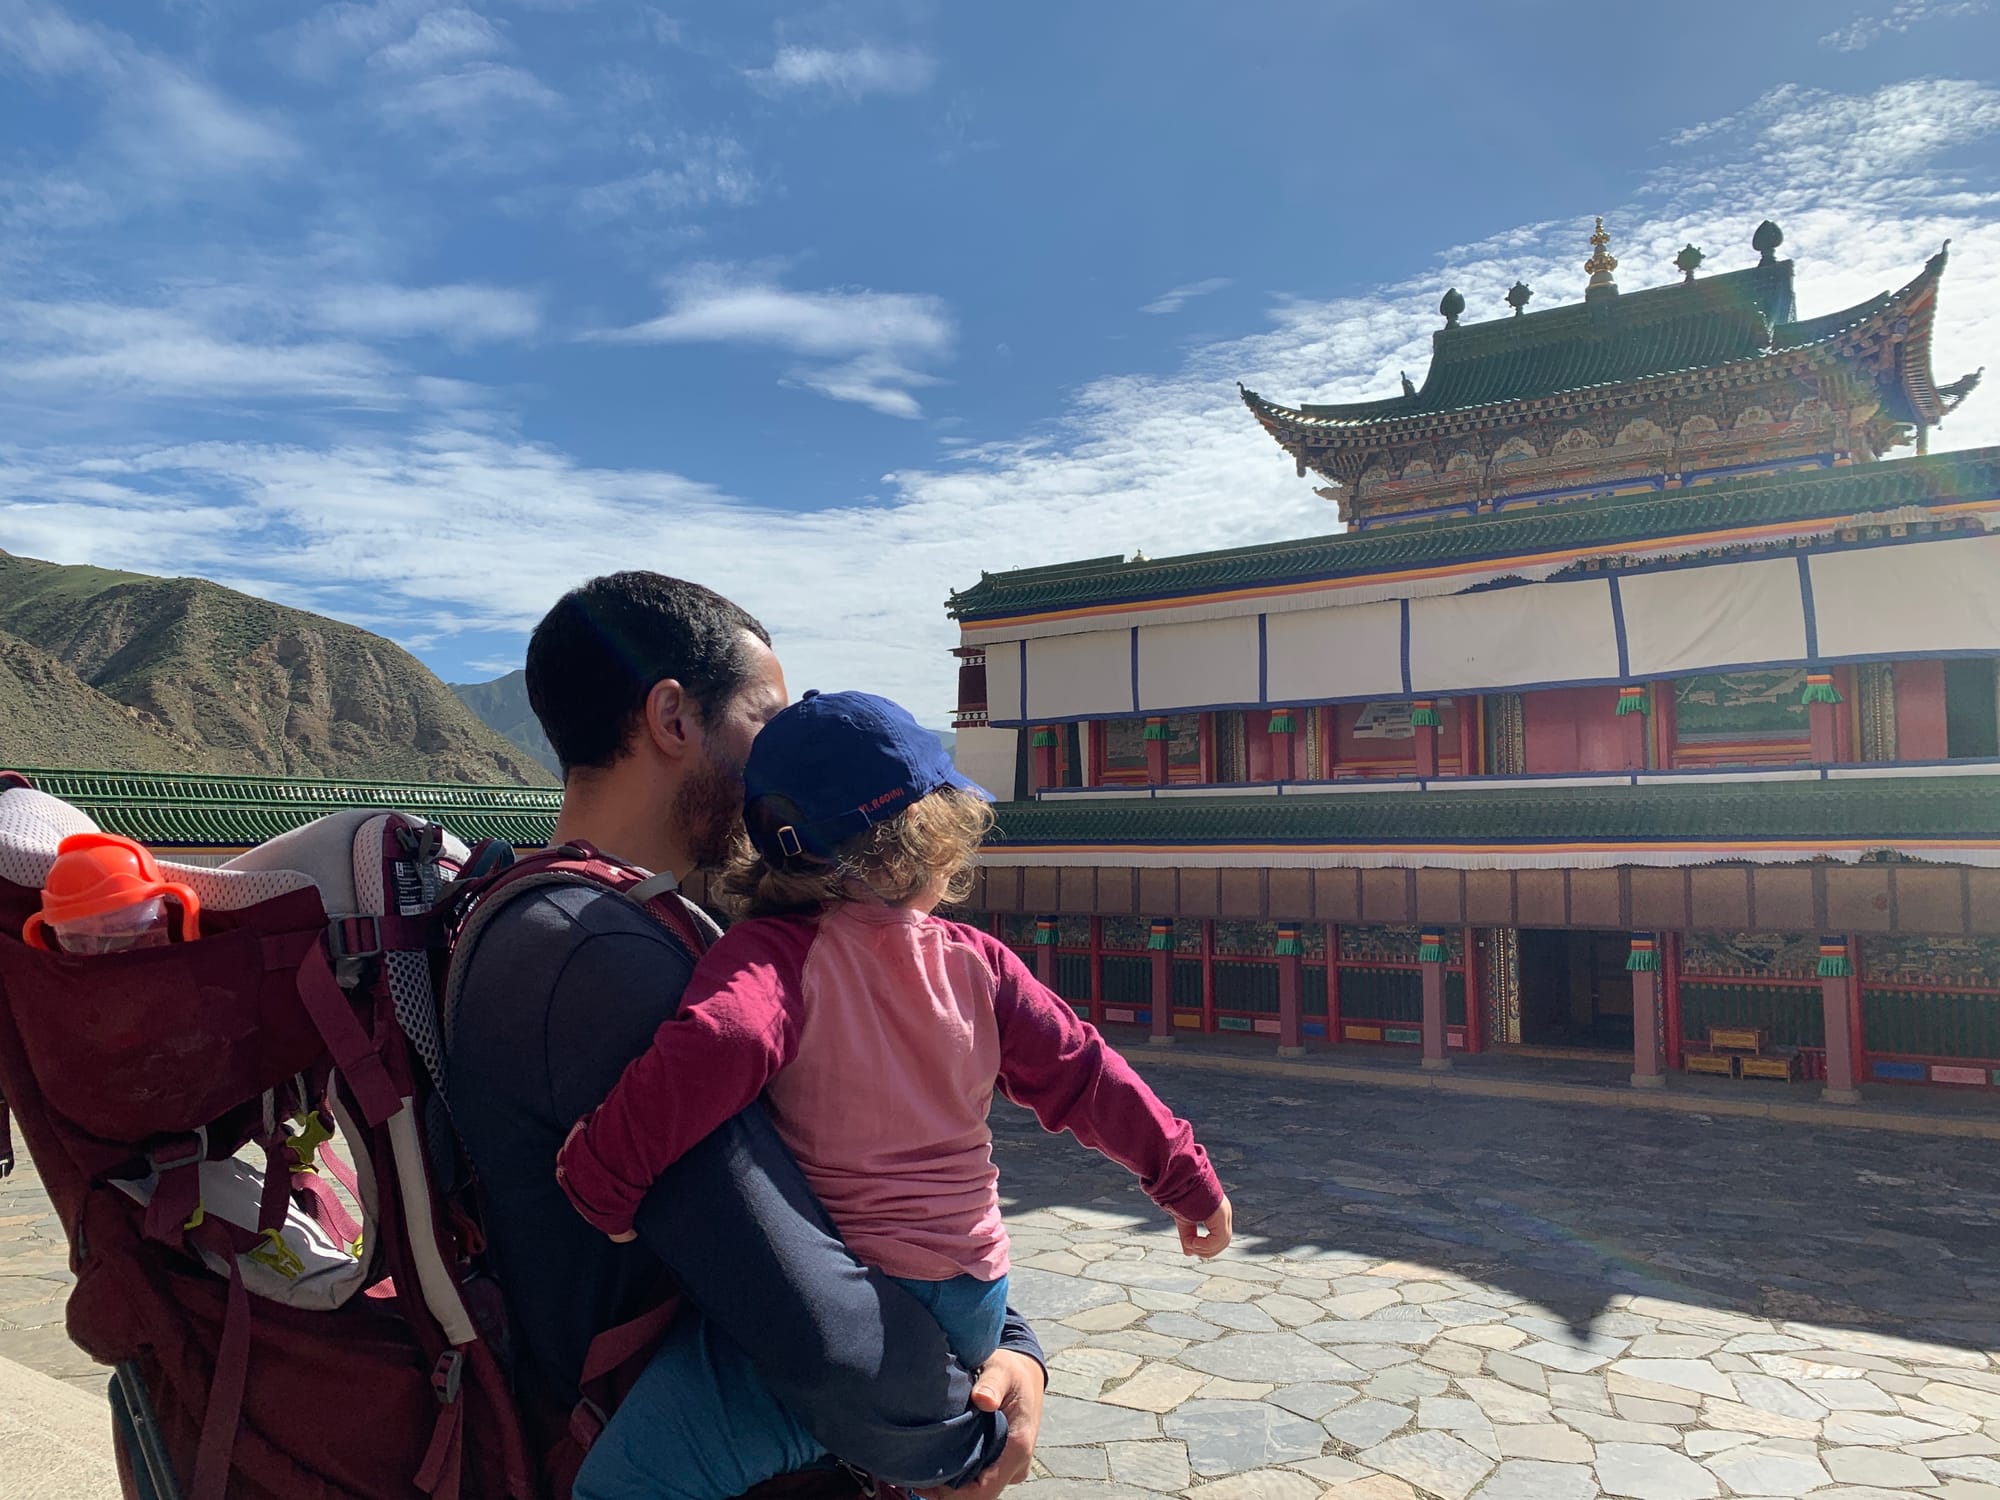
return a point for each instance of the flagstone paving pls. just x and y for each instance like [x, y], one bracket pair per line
[1479, 1299]
[1451, 1296]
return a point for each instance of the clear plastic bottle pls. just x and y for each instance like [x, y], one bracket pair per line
[106, 894]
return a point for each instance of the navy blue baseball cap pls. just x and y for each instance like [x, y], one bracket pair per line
[836, 764]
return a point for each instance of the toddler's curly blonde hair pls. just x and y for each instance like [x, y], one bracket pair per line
[898, 859]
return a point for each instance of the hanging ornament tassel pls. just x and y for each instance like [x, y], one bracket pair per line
[1161, 936]
[1281, 721]
[1424, 715]
[1156, 729]
[1289, 943]
[1833, 960]
[1045, 739]
[1632, 700]
[1645, 955]
[1045, 932]
[1820, 688]
[1431, 949]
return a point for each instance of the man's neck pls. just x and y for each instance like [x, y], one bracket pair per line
[615, 819]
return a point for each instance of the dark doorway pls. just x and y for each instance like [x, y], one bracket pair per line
[1575, 991]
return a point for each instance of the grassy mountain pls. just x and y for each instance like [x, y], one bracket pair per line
[118, 669]
[502, 706]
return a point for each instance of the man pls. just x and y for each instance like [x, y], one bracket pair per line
[651, 690]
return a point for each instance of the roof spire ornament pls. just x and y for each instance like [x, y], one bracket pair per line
[1689, 261]
[1600, 265]
[1518, 295]
[1451, 305]
[1766, 241]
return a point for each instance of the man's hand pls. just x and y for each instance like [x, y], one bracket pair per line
[1210, 1237]
[1014, 1384]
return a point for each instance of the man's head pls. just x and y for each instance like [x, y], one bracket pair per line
[651, 690]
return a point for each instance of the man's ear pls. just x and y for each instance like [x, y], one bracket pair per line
[665, 720]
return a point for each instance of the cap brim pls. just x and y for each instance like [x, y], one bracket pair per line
[957, 778]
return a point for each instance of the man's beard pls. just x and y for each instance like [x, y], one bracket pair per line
[708, 814]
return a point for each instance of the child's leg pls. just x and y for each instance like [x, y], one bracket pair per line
[972, 1313]
[699, 1425]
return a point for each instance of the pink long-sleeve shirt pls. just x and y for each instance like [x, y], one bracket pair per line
[877, 1036]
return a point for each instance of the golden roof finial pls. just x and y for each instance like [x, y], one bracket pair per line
[1600, 265]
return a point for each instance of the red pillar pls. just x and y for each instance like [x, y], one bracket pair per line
[1648, 1066]
[1822, 718]
[1208, 978]
[1670, 968]
[1436, 1055]
[1840, 1001]
[1333, 983]
[1423, 715]
[1291, 981]
[1161, 944]
[1045, 951]
[1043, 746]
[1284, 747]
[1156, 751]
[1475, 991]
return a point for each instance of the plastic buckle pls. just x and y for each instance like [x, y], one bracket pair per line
[446, 1375]
[788, 840]
[339, 944]
[197, 1156]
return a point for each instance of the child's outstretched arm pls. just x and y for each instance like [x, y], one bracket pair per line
[1071, 1078]
[738, 1025]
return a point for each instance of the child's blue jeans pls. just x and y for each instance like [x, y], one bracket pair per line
[701, 1425]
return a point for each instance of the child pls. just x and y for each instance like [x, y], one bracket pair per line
[843, 990]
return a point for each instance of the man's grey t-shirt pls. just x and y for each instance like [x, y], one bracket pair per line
[566, 985]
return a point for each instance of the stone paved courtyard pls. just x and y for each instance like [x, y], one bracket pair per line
[1446, 1295]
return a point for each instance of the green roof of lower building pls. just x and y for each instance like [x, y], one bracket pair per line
[1704, 815]
[235, 812]
[1725, 506]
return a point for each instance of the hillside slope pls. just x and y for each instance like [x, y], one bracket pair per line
[502, 706]
[218, 680]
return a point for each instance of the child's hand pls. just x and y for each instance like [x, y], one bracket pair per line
[625, 1238]
[1210, 1237]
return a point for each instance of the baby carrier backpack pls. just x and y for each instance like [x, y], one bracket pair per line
[247, 1141]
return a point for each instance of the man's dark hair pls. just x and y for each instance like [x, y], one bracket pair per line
[604, 647]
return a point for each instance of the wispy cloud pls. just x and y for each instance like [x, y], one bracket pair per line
[853, 71]
[166, 124]
[691, 171]
[864, 345]
[1175, 300]
[441, 38]
[461, 314]
[1865, 31]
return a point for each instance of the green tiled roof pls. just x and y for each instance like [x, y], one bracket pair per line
[1820, 494]
[1715, 321]
[230, 812]
[1700, 815]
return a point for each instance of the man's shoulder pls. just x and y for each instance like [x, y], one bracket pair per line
[538, 935]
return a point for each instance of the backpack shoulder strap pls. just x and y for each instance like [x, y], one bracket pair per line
[479, 901]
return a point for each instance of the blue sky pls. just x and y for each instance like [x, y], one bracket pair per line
[417, 313]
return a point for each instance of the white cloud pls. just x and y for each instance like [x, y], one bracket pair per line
[1175, 300]
[464, 314]
[865, 344]
[440, 38]
[345, 31]
[853, 71]
[473, 99]
[167, 125]
[1864, 31]
[696, 170]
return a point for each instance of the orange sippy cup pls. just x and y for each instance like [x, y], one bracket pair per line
[106, 894]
